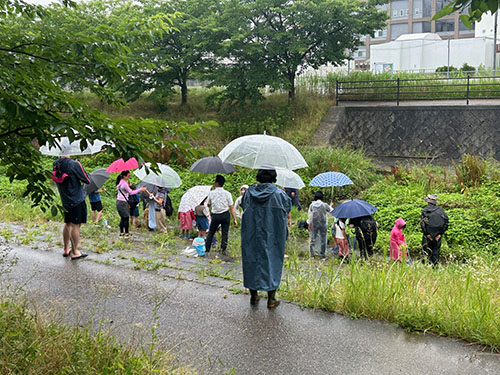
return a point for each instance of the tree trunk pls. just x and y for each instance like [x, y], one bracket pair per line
[184, 92]
[291, 90]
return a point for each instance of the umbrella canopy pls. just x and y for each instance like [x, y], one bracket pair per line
[121, 165]
[67, 148]
[261, 151]
[193, 197]
[328, 179]
[97, 178]
[288, 179]
[152, 189]
[212, 164]
[353, 208]
[166, 177]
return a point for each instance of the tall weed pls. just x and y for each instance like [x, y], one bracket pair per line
[458, 300]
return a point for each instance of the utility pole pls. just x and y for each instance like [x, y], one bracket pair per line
[448, 70]
[495, 43]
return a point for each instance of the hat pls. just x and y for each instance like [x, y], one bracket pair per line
[244, 186]
[431, 198]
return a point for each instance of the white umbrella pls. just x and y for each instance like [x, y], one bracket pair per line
[72, 148]
[288, 179]
[261, 151]
[193, 197]
[167, 177]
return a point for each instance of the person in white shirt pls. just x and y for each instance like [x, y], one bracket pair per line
[220, 202]
[237, 203]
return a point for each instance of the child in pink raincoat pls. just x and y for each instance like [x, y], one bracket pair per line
[398, 244]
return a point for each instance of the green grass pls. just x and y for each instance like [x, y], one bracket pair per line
[32, 345]
[411, 85]
[457, 300]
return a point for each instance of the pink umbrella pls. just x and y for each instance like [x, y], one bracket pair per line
[122, 165]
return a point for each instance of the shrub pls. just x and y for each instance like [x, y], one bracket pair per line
[470, 171]
[444, 69]
[474, 217]
[466, 68]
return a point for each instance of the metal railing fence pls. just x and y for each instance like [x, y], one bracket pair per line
[398, 90]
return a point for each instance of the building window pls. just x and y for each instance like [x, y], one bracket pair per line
[399, 9]
[360, 54]
[380, 34]
[445, 27]
[427, 8]
[417, 8]
[422, 27]
[398, 29]
[440, 4]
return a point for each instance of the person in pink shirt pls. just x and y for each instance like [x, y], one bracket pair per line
[122, 204]
[398, 244]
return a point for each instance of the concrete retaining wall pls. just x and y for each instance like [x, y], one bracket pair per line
[445, 132]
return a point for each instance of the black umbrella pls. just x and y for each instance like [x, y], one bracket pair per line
[150, 187]
[97, 179]
[212, 165]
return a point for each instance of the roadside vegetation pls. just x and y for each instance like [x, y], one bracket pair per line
[367, 85]
[31, 343]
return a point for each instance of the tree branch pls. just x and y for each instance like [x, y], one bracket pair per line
[42, 58]
[15, 131]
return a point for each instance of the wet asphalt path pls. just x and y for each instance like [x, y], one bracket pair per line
[216, 331]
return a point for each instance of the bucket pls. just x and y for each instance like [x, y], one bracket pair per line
[199, 246]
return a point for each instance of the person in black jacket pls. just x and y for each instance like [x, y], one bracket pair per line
[434, 222]
[365, 228]
[71, 176]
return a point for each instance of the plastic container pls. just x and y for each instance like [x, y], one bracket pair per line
[199, 246]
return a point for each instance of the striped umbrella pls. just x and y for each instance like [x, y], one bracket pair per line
[329, 179]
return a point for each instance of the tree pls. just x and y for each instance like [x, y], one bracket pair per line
[184, 54]
[38, 60]
[475, 10]
[283, 37]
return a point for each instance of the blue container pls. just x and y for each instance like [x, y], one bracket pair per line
[199, 246]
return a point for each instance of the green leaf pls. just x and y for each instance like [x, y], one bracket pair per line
[466, 21]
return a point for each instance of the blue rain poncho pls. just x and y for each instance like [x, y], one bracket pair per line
[263, 235]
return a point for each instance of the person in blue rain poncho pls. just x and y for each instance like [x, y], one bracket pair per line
[263, 236]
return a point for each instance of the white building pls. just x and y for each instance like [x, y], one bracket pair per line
[425, 52]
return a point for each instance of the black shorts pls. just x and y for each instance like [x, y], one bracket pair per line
[77, 214]
[96, 206]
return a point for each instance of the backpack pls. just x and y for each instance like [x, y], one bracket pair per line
[434, 220]
[167, 205]
[133, 201]
[57, 175]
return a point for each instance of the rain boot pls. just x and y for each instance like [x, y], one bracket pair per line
[272, 302]
[254, 297]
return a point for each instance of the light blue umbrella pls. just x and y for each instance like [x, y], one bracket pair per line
[329, 179]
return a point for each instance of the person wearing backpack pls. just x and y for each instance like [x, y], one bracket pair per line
[434, 222]
[318, 229]
[161, 199]
[69, 176]
[221, 204]
[365, 228]
[122, 201]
